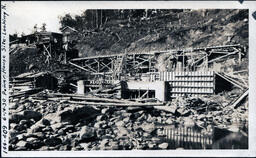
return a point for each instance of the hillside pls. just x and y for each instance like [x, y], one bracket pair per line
[168, 29]
[195, 28]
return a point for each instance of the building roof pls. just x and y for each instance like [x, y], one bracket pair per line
[43, 33]
[68, 27]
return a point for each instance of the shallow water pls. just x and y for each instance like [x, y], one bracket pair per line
[190, 138]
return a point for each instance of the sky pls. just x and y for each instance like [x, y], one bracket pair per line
[25, 14]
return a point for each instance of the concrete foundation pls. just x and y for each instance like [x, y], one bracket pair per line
[160, 88]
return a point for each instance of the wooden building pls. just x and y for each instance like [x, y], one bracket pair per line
[69, 34]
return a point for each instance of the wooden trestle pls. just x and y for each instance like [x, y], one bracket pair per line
[146, 62]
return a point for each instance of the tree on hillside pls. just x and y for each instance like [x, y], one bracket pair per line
[35, 28]
[67, 20]
[43, 28]
[96, 18]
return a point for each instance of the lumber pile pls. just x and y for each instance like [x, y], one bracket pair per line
[90, 100]
[108, 91]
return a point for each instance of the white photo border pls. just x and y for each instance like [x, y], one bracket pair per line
[251, 152]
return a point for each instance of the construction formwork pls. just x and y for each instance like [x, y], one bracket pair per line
[187, 83]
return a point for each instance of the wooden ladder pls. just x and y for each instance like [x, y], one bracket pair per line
[118, 66]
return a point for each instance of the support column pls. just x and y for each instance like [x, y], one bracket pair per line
[80, 87]
[239, 57]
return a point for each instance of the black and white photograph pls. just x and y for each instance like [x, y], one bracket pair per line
[96, 79]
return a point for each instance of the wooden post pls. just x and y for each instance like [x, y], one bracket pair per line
[206, 62]
[134, 60]
[112, 65]
[50, 47]
[149, 65]
[239, 57]
[98, 66]
[65, 57]
[183, 61]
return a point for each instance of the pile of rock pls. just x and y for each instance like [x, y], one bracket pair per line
[56, 125]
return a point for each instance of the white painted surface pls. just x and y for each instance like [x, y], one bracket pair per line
[158, 87]
[80, 87]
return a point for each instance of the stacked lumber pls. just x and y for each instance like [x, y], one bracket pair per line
[108, 91]
[90, 100]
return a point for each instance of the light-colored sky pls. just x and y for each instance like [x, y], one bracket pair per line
[25, 14]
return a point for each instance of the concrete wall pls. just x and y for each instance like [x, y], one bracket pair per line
[160, 88]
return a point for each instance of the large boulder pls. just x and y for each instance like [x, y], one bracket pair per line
[34, 143]
[53, 141]
[188, 122]
[163, 146]
[21, 144]
[29, 114]
[15, 118]
[75, 114]
[87, 134]
[148, 127]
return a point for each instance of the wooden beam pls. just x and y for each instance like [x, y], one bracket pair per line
[86, 65]
[140, 63]
[105, 65]
[213, 60]
[116, 104]
[46, 48]
[220, 53]
[92, 63]
[79, 67]
[234, 83]
[235, 104]
[146, 93]
[241, 71]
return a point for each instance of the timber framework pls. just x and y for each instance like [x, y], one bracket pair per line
[160, 74]
[194, 58]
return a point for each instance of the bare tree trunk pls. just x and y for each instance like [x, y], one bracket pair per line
[96, 18]
[101, 18]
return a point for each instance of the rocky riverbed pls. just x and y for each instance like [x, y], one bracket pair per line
[56, 125]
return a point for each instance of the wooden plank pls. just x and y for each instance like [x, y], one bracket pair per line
[116, 104]
[240, 98]
[213, 60]
[231, 79]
